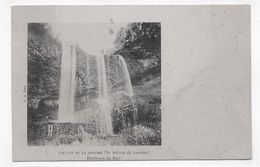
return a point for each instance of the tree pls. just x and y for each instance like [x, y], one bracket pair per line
[140, 45]
[44, 57]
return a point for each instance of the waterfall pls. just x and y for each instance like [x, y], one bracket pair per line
[105, 107]
[102, 81]
[125, 75]
[102, 71]
[67, 84]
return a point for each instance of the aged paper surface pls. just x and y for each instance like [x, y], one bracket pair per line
[131, 82]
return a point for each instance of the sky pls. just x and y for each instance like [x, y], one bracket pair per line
[91, 37]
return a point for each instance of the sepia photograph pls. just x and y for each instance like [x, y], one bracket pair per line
[94, 84]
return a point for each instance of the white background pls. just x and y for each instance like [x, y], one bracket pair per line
[5, 69]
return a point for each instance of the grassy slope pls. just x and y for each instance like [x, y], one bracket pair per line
[149, 88]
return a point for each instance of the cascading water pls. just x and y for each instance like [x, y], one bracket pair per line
[67, 84]
[97, 75]
[104, 107]
[125, 75]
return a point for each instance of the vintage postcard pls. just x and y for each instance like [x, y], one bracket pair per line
[131, 82]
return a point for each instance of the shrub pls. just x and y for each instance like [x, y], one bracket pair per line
[123, 111]
[140, 135]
